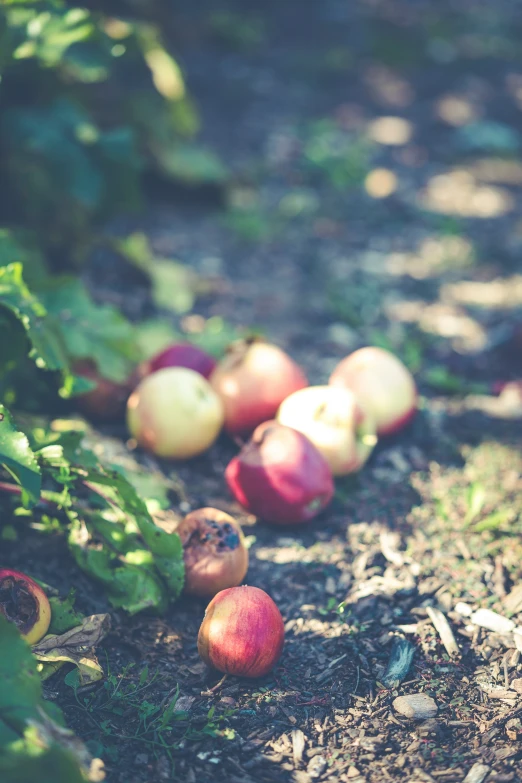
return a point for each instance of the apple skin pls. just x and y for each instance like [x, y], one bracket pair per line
[175, 413]
[24, 603]
[253, 379]
[280, 476]
[214, 552]
[383, 383]
[180, 355]
[242, 633]
[336, 423]
[107, 401]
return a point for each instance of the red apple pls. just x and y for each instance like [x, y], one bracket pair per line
[382, 383]
[280, 476]
[336, 423]
[107, 401]
[252, 380]
[181, 355]
[214, 551]
[175, 413]
[242, 633]
[24, 603]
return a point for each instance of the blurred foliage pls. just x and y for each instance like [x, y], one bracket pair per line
[88, 102]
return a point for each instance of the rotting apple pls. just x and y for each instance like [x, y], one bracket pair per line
[383, 383]
[336, 423]
[242, 632]
[253, 379]
[280, 476]
[24, 603]
[214, 551]
[175, 413]
[180, 355]
[107, 401]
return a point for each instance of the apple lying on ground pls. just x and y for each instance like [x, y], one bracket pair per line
[107, 401]
[252, 380]
[24, 603]
[180, 355]
[383, 383]
[214, 551]
[175, 413]
[280, 476]
[242, 632]
[336, 423]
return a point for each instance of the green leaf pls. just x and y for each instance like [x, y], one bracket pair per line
[99, 332]
[63, 614]
[191, 164]
[476, 497]
[33, 747]
[174, 285]
[494, 521]
[130, 587]
[18, 458]
[48, 349]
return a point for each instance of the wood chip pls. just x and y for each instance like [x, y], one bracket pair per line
[444, 630]
[298, 745]
[501, 693]
[517, 685]
[389, 542]
[477, 773]
[513, 600]
[417, 706]
[492, 621]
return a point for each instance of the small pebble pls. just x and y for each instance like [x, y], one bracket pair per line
[316, 766]
[417, 706]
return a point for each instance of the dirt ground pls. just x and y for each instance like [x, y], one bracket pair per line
[320, 108]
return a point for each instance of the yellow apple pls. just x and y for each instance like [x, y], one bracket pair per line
[175, 413]
[336, 423]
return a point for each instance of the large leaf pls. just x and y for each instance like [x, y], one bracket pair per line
[48, 349]
[99, 332]
[140, 565]
[33, 746]
[18, 458]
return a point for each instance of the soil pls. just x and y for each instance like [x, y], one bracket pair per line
[307, 252]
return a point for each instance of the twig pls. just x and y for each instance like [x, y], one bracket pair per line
[215, 687]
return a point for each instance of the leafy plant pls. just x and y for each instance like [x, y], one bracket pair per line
[34, 745]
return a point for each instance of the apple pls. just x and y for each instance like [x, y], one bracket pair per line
[107, 401]
[253, 379]
[336, 423]
[24, 603]
[181, 355]
[214, 551]
[175, 413]
[242, 632]
[383, 383]
[280, 476]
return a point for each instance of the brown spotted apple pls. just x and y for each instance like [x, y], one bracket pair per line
[24, 603]
[214, 551]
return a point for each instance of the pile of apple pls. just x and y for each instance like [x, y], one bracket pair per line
[295, 439]
[298, 437]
